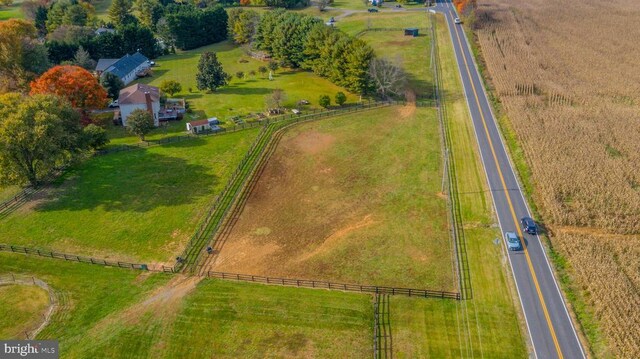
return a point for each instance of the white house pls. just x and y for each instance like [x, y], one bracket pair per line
[210, 124]
[126, 68]
[139, 96]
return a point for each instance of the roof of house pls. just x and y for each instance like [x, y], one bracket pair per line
[104, 63]
[199, 123]
[127, 64]
[135, 94]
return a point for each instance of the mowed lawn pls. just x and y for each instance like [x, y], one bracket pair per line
[241, 96]
[351, 199]
[220, 319]
[487, 324]
[141, 205]
[118, 313]
[86, 293]
[21, 309]
[412, 53]
[13, 11]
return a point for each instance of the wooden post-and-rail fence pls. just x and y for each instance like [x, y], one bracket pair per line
[303, 283]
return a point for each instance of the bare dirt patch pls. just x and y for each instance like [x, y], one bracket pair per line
[163, 302]
[346, 202]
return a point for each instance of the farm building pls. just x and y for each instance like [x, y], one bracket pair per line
[411, 31]
[139, 96]
[210, 124]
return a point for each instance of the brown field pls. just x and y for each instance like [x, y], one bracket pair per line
[352, 199]
[568, 78]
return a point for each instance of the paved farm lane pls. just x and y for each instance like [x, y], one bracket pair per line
[550, 327]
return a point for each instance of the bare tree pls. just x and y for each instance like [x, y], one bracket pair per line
[388, 77]
[276, 98]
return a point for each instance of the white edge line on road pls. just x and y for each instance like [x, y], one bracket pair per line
[526, 203]
[524, 313]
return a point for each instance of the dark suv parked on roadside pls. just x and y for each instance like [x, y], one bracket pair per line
[529, 225]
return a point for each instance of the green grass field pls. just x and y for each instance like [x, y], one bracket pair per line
[8, 192]
[117, 313]
[13, 11]
[487, 325]
[233, 320]
[412, 53]
[87, 293]
[241, 96]
[140, 205]
[21, 309]
[352, 199]
[361, 21]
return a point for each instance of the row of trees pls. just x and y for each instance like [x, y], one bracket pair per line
[304, 41]
[68, 26]
[187, 27]
[64, 43]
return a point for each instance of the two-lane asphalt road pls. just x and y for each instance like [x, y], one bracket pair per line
[550, 327]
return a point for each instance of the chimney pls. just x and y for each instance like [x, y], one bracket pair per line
[147, 98]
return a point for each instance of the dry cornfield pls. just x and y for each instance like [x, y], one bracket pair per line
[568, 77]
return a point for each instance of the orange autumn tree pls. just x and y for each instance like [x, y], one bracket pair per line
[464, 5]
[73, 83]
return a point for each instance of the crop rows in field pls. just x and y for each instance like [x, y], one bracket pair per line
[575, 117]
[569, 88]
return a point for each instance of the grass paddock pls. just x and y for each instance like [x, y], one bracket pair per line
[141, 205]
[353, 199]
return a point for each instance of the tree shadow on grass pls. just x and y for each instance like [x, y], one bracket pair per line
[235, 90]
[135, 181]
[184, 143]
[191, 96]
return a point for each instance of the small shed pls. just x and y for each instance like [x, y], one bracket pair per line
[411, 31]
[208, 125]
[198, 126]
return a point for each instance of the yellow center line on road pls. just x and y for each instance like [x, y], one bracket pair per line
[511, 208]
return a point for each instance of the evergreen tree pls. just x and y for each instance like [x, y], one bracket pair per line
[138, 38]
[149, 12]
[119, 11]
[189, 27]
[83, 59]
[242, 25]
[210, 75]
[112, 84]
